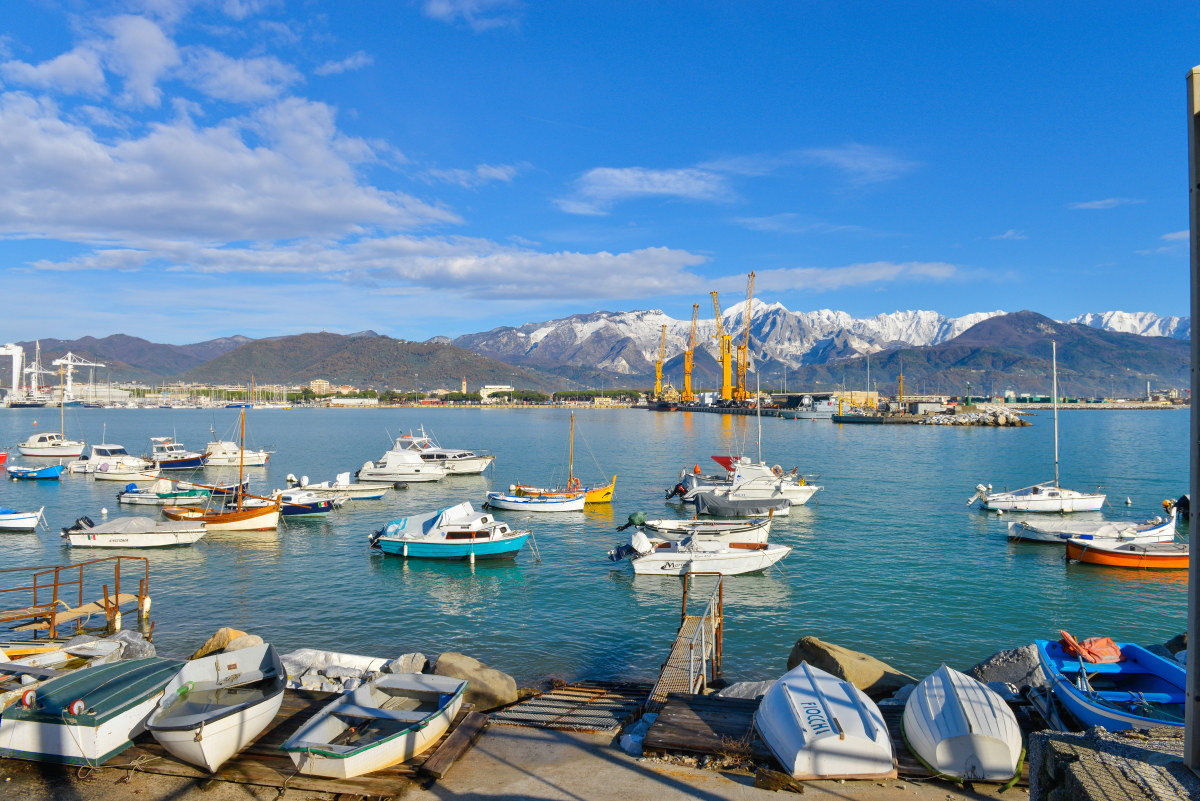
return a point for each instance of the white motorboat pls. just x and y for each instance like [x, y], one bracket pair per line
[224, 453]
[51, 444]
[217, 705]
[133, 532]
[453, 461]
[712, 504]
[383, 722]
[1047, 497]
[821, 727]
[401, 465]
[666, 558]
[756, 481]
[342, 487]
[113, 463]
[537, 503]
[753, 531]
[962, 729]
[1159, 529]
[14, 520]
[86, 716]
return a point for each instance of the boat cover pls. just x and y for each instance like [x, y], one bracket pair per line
[140, 525]
[710, 504]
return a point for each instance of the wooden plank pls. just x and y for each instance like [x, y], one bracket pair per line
[454, 746]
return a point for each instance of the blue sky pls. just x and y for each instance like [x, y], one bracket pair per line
[186, 170]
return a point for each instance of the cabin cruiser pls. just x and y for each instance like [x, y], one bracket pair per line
[230, 454]
[168, 454]
[401, 465]
[51, 443]
[114, 463]
[746, 480]
[453, 461]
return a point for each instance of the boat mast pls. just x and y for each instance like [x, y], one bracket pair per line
[758, 413]
[1054, 369]
[571, 455]
[241, 458]
[62, 401]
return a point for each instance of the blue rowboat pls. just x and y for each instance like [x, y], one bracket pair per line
[1141, 691]
[50, 472]
[458, 532]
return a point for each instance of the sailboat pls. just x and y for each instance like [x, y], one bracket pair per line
[239, 518]
[1047, 496]
[599, 494]
[53, 443]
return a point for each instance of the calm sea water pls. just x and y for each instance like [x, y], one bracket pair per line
[888, 559]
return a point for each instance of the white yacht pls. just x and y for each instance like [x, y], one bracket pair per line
[51, 443]
[401, 465]
[453, 461]
[229, 454]
[113, 463]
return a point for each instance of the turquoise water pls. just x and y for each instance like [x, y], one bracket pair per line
[888, 559]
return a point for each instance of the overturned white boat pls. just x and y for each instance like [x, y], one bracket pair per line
[821, 727]
[385, 721]
[217, 705]
[960, 728]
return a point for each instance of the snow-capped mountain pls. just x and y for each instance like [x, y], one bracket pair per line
[629, 342]
[1147, 324]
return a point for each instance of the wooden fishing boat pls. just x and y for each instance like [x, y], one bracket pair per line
[458, 532]
[821, 727]
[593, 494]
[385, 721]
[217, 705]
[960, 728]
[86, 716]
[1140, 691]
[51, 472]
[1151, 555]
[537, 503]
[133, 532]
[14, 520]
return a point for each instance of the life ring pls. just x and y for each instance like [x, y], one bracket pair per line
[573, 484]
[777, 470]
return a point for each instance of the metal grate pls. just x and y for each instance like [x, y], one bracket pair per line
[582, 706]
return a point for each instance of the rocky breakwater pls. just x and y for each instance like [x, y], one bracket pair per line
[995, 417]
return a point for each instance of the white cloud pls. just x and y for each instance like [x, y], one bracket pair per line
[481, 175]
[462, 265]
[1178, 236]
[250, 80]
[180, 181]
[1106, 203]
[791, 223]
[141, 53]
[77, 72]
[1011, 233]
[862, 164]
[481, 15]
[354, 61]
[824, 279]
[602, 187]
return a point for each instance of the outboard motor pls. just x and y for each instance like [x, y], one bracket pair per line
[636, 519]
[291, 480]
[678, 490]
[82, 524]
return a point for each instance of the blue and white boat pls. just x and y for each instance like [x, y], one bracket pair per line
[51, 472]
[1140, 691]
[167, 454]
[297, 503]
[458, 532]
[16, 520]
[565, 502]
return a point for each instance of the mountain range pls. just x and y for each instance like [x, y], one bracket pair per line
[1099, 352]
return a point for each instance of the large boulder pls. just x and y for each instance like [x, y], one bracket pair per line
[244, 641]
[218, 641]
[877, 679]
[1019, 667]
[407, 663]
[487, 688]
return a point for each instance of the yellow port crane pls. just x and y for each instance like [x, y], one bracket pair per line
[689, 359]
[662, 352]
[740, 392]
[725, 343]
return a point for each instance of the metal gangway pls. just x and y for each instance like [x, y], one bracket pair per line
[697, 647]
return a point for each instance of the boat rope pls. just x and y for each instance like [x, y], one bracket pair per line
[533, 547]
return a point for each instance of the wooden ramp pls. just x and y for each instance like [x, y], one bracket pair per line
[97, 608]
[582, 706]
[263, 763]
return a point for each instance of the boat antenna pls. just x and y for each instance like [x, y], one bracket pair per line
[1054, 400]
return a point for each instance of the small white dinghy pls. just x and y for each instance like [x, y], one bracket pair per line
[821, 727]
[383, 722]
[959, 727]
[215, 706]
[696, 555]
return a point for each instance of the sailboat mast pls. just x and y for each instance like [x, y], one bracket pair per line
[1054, 369]
[241, 458]
[758, 413]
[62, 404]
[571, 454]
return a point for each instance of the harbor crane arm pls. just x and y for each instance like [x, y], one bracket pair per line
[724, 342]
[658, 365]
[740, 392]
[689, 359]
